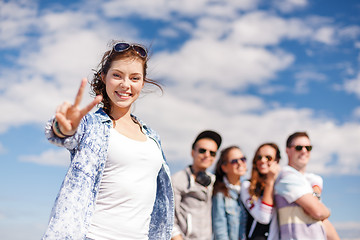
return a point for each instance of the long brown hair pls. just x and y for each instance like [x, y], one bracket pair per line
[219, 185]
[97, 84]
[257, 180]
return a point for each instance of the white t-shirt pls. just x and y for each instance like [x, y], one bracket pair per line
[127, 190]
[294, 222]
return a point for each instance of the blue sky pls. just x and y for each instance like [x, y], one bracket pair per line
[253, 70]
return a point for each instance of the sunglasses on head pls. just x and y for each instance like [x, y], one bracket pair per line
[123, 46]
[237, 160]
[268, 157]
[299, 148]
[203, 150]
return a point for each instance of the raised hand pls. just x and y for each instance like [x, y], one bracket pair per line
[274, 170]
[68, 116]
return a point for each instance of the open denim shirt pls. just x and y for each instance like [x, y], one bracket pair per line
[75, 203]
[228, 216]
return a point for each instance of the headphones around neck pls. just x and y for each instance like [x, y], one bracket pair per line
[201, 177]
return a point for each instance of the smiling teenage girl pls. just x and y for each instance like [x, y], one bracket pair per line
[228, 214]
[118, 183]
[257, 194]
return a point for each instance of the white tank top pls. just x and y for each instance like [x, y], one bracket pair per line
[127, 190]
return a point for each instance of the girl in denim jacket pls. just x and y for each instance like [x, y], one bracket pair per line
[118, 183]
[228, 214]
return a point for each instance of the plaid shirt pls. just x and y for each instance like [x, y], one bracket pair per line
[75, 203]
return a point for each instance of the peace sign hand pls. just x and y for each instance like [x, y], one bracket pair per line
[68, 116]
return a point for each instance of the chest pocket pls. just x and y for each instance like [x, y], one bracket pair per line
[231, 206]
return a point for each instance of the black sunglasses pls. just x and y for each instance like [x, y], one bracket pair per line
[203, 150]
[268, 157]
[123, 46]
[237, 160]
[299, 148]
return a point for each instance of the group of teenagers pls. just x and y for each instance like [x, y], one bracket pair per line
[274, 203]
[118, 184]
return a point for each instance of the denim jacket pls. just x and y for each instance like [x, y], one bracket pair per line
[75, 203]
[228, 216]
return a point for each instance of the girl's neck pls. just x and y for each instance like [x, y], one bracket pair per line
[234, 180]
[128, 126]
[117, 114]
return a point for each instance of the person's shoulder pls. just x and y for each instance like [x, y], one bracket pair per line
[245, 184]
[314, 179]
[148, 130]
[289, 176]
[312, 176]
[287, 171]
[180, 179]
[180, 174]
[244, 191]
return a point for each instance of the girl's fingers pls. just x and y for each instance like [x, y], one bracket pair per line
[69, 116]
[63, 108]
[90, 106]
[80, 93]
[63, 121]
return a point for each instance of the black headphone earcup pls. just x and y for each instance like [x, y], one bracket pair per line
[203, 179]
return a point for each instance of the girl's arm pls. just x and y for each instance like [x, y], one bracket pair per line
[262, 209]
[259, 211]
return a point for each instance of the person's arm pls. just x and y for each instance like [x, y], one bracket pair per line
[330, 230]
[313, 207]
[219, 222]
[268, 196]
[262, 209]
[54, 128]
[258, 210]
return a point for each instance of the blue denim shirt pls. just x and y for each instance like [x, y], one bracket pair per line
[75, 203]
[228, 216]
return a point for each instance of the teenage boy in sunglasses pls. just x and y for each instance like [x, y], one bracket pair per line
[301, 213]
[193, 188]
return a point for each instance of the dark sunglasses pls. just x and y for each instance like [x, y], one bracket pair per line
[268, 157]
[237, 160]
[203, 150]
[299, 148]
[123, 46]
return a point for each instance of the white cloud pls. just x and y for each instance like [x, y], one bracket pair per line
[49, 157]
[179, 119]
[172, 10]
[304, 78]
[353, 85]
[264, 28]
[288, 6]
[17, 19]
[356, 113]
[325, 35]
[350, 32]
[209, 62]
[271, 89]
